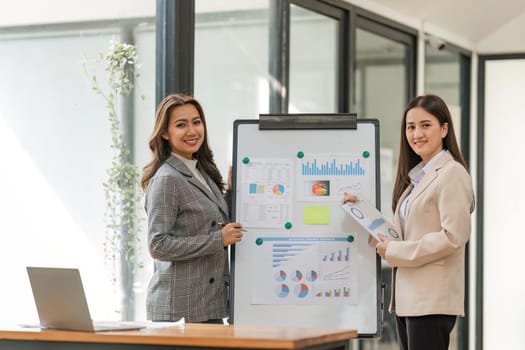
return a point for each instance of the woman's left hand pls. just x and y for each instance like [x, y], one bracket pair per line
[381, 246]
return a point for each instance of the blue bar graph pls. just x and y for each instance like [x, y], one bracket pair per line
[332, 168]
[285, 249]
[282, 252]
[337, 256]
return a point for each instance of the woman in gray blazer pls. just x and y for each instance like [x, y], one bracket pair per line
[188, 229]
[432, 202]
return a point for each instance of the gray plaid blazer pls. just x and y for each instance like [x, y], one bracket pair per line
[191, 275]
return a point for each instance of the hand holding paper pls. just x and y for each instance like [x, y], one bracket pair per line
[381, 247]
[372, 220]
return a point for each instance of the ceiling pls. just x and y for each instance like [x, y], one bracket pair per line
[473, 20]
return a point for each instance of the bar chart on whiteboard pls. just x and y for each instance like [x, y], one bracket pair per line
[304, 270]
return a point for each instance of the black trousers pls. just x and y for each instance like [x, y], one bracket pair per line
[431, 332]
[214, 321]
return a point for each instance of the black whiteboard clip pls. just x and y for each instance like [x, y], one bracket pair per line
[307, 121]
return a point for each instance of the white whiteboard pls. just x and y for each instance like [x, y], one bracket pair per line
[320, 272]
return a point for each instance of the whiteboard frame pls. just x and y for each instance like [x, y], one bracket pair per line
[378, 282]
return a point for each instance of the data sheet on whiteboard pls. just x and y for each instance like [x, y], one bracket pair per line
[266, 194]
[311, 263]
[304, 270]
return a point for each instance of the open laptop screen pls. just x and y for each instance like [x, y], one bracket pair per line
[61, 302]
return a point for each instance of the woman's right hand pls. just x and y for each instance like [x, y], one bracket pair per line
[349, 198]
[231, 233]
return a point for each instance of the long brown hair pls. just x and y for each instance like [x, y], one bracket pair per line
[407, 157]
[160, 148]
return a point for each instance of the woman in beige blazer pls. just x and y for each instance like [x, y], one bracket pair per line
[432, 203]
[187, 213]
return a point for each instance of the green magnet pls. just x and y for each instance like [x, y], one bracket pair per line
[300, 154]
[259, 241]
[350, 238]
[288, 225]
[366, 154]
[246, 160]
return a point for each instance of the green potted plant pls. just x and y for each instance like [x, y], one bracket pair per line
[121, 189]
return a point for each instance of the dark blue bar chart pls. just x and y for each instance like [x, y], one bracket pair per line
[333, 167]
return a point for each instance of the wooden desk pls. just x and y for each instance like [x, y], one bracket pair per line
[189, 336]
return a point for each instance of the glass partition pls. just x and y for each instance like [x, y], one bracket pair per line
[55, 145]
[502, 189]
[443, 78]
[231, 68]
[313, 62]
[381, 86]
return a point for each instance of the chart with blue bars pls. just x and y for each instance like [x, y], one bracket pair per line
[307, 269]
[287, 248]
[337, 256]
[332, 167]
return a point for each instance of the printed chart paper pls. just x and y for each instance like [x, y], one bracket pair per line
[326, 177]
[266, 192]
[304, 270]
[372, 220]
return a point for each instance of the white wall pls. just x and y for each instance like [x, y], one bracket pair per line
[66, 11]
[508, 39]
[504, 189]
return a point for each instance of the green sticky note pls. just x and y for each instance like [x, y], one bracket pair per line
[316, 215]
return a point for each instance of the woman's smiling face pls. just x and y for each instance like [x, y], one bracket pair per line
[424, 133]
[185, 132]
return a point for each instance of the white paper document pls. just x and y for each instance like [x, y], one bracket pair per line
[305, 269]
[372, 220]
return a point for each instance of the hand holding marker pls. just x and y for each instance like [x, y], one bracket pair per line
[231, 232]
[223, 224]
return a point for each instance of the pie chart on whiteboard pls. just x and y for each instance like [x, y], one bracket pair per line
[301, 290]
[282, 290]
[278, 189]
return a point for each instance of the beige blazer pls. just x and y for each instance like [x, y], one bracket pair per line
[429, 263]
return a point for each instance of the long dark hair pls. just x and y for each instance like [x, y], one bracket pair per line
[407, 157]
[160, 148]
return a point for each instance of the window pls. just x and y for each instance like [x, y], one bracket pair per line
[382, 90]
[313, 62]
[500, 203]
[56, 145]
[231, 68]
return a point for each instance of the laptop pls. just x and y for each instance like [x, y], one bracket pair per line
[61, 302]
